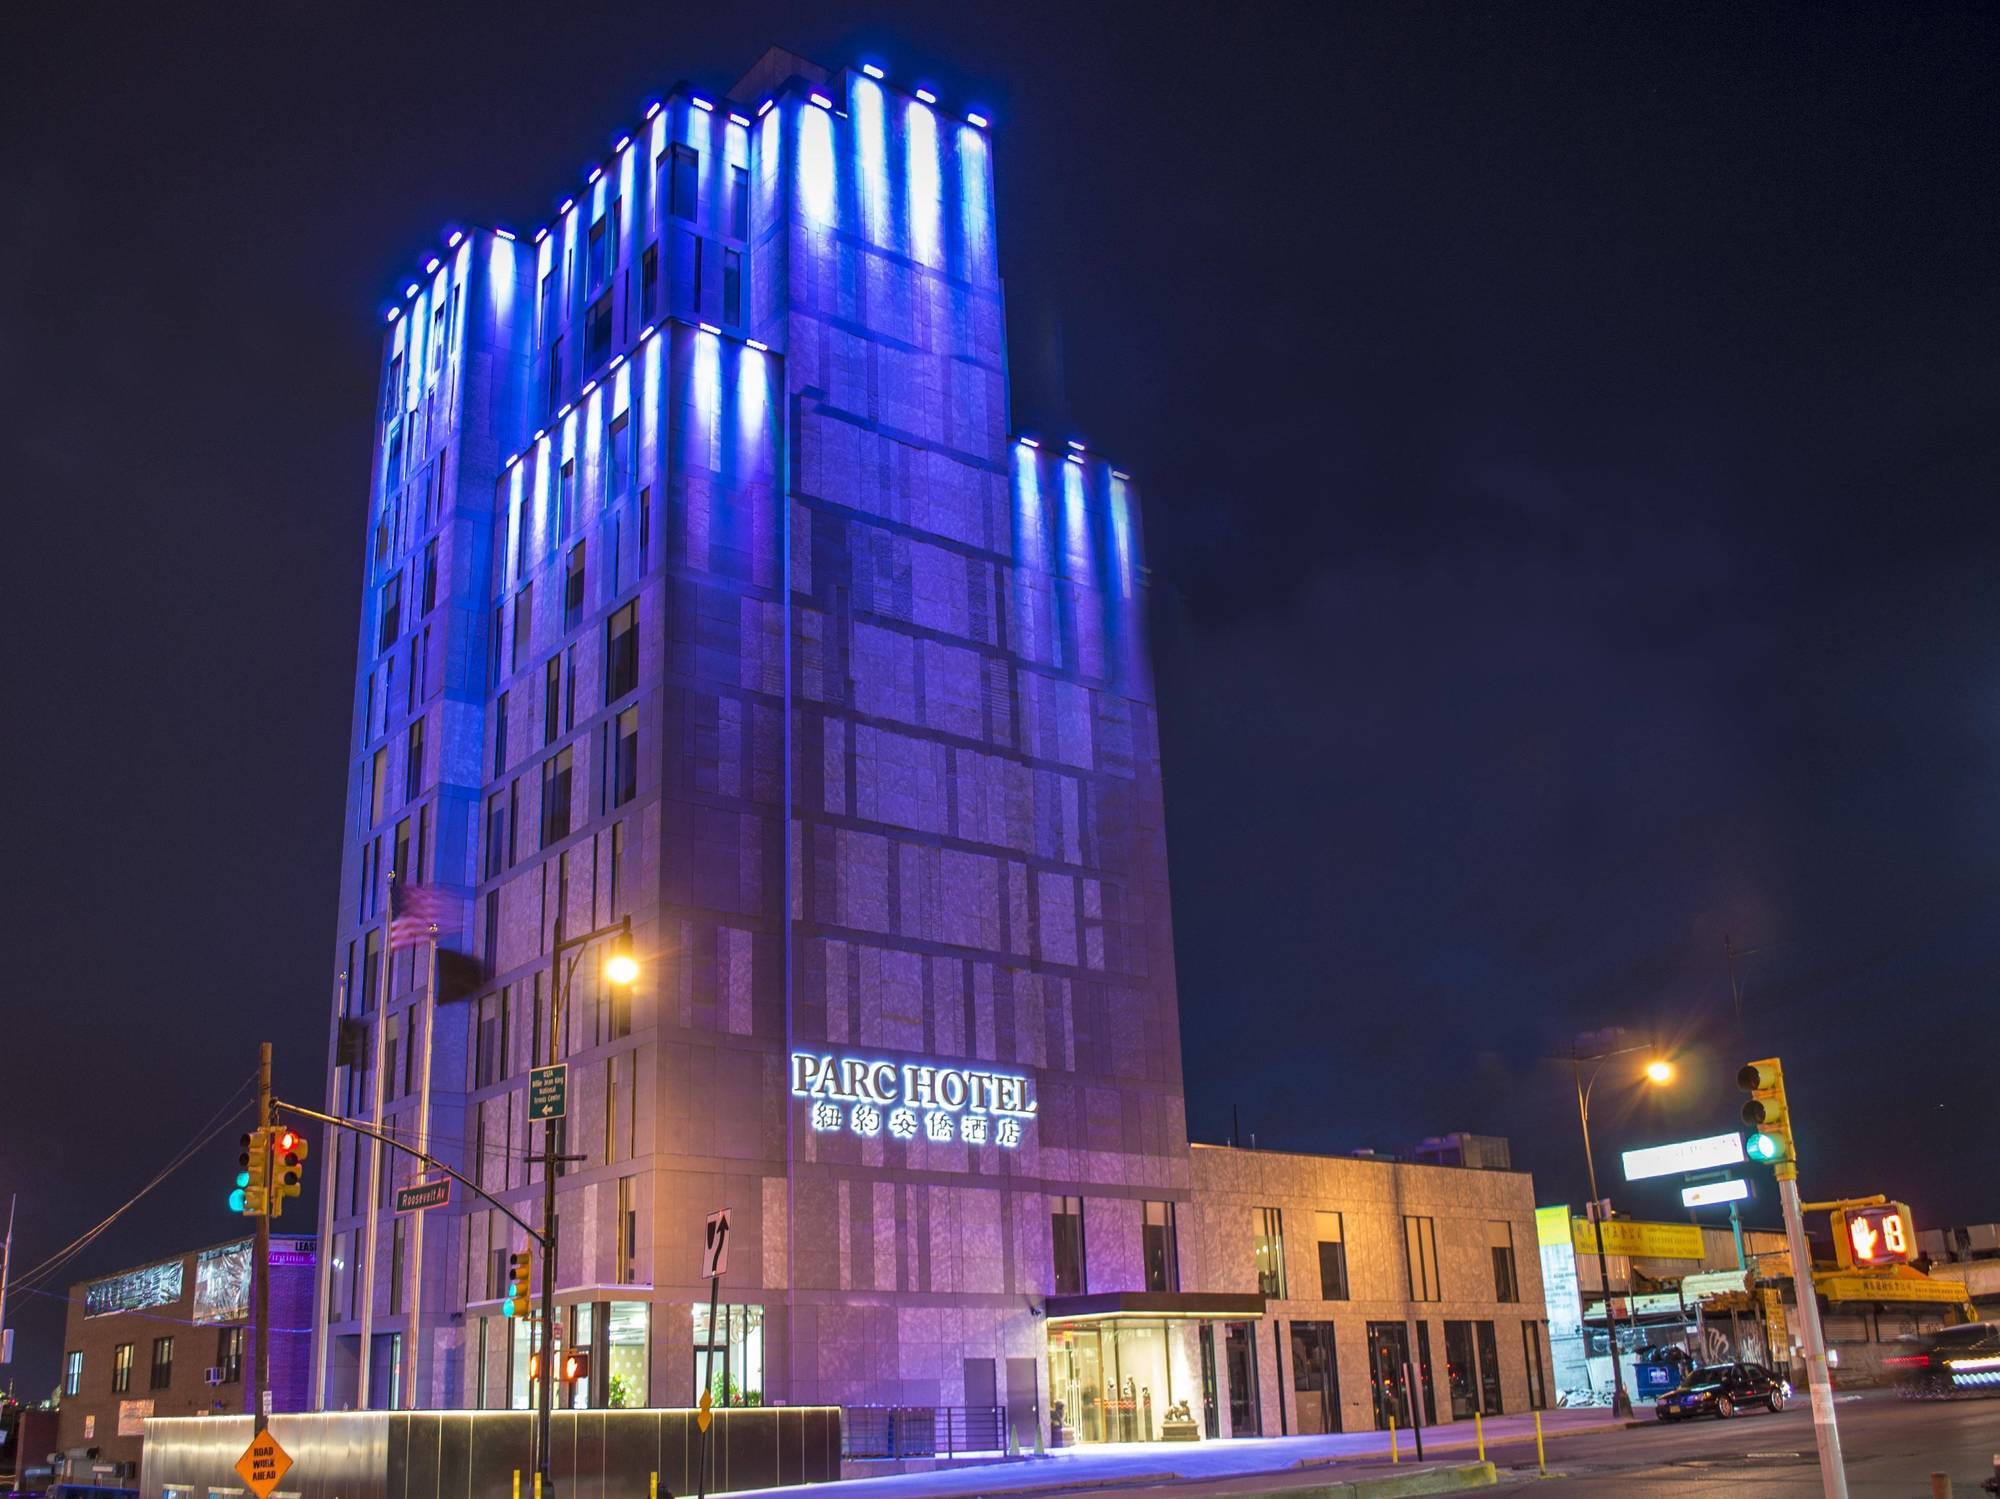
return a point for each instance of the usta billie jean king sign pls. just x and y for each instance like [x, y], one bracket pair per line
[944, 1105]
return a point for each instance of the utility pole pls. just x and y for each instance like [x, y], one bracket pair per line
[6, 1267]
[260, 1254]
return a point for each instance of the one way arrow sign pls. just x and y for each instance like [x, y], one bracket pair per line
[715, 1252]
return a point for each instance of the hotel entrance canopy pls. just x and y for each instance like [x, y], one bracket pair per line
[1153, 1306]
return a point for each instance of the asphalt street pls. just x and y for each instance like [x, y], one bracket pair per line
[1891, 1447]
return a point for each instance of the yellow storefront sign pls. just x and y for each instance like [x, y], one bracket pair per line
[1650, 1241]
[1852, 1285]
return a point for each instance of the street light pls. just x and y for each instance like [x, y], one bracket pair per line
[621, 968]
[1658, 1072]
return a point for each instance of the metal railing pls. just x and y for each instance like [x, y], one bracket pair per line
[922, 1430]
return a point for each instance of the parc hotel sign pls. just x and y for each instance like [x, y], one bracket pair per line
[912, 1100]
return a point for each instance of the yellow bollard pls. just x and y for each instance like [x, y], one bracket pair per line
[538, 1483]
[517, 1483]
[1541, 1456]
[1479, 1434]
[1392, 1441]
[653, 1489]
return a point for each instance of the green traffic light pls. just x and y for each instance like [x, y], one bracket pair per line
[236, 1201]
[242, 1179]
[1764, 1147]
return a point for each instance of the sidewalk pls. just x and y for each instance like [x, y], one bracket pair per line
[1124, 1464]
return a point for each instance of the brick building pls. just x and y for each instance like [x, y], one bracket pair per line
[174, 1338]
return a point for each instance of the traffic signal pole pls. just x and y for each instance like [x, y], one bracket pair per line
[1826, 1432]
[260, 1258]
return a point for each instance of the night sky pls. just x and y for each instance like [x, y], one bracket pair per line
[1568, 445]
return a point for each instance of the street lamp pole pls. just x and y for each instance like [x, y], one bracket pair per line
[1621, 1403]
[560, 978]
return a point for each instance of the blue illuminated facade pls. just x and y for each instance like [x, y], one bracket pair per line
[708, 588]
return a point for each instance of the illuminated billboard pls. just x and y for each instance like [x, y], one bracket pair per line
[871, 1098]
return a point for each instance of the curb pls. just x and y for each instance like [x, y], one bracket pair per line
[1393, 1486]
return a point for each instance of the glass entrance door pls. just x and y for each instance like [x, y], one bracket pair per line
[1388, 1353]
[1239, 1359]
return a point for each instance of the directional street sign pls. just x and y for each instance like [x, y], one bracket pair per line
[548, 1091]
[1683, 1156]
[423, 1195]
[263, 1464]
[715, 1249]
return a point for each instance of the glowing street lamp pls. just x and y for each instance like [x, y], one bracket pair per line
[622, 968]
[1660, 1071]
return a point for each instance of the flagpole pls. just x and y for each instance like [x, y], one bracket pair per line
[415, 1331]
[371, 1222]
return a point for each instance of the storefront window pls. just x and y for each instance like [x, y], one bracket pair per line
[627, 1324]
[729, 1361]
[1271, 1253]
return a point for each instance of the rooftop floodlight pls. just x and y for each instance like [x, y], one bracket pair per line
[652, 109]
[541, 234]
[540, 433]
[567, 409]
[432, 264]
[1077, 447]
[1119, 473]
[765, 108]
[623, 142]
[588, 387]
[410, 290]
[737, 119]
[1074, 457]
[646, 332]
[1029, 442]
[567, 205]
[872, 71]
[456, 236]
[975, 119]
[616, 360]
[394, 313]
[927, 96]
[710, 328]
[821, 100]
[514, 460]
[758, 344]
[506, 234]
[700, 103]
[595, 173]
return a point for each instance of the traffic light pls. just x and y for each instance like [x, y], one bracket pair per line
[1765, 1113]
[1868, 1238]
[575, 1365]
[252, 1197]
[288, 1149]
[520, 1298]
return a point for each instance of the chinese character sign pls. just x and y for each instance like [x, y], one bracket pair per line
[943, 1105]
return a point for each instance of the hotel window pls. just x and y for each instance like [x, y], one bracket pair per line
[496, 834]
[229, 1354]
[729, 1360]
[555, 374]
[121, 1368]
[628, 1229]
[1420, 1251]
[489, 951]
[72, 1371]
[1270, 1253]
[524, 615]
[573, 588]
[551, 699]
[548, 305]
[490, 1043]
[500, 736]
[617, 859]
[390, 1042]
[569, 689]
[1506, 1281]
[396, 1253]
[371, 966]
[645, 524]
[393, 390]
[649, 279]
[681, 189]
[400, 844]
[430, 575]
[739, 202]
[732, 286]
[392, 613]
[621, 652]
[625, 758]
[1066, 1235]
[378, 785]
[599, 257]
[161, 1375]
[565, 508]
[555, 797]
[619, 441]
[413, 760]
[1332, 1257]
[597, 332]
[1160, 1243]
[1531, 1348]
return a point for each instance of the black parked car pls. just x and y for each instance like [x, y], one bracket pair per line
[1951, 1361]
[1722, 1390]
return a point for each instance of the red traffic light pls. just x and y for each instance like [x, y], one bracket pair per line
[575, 1366]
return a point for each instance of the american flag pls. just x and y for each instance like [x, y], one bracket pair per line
[416, 910]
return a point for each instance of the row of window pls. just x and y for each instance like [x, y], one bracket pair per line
[1268, 1253]
[160, 1374]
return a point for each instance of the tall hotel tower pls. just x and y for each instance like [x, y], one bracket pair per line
[706, 586]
